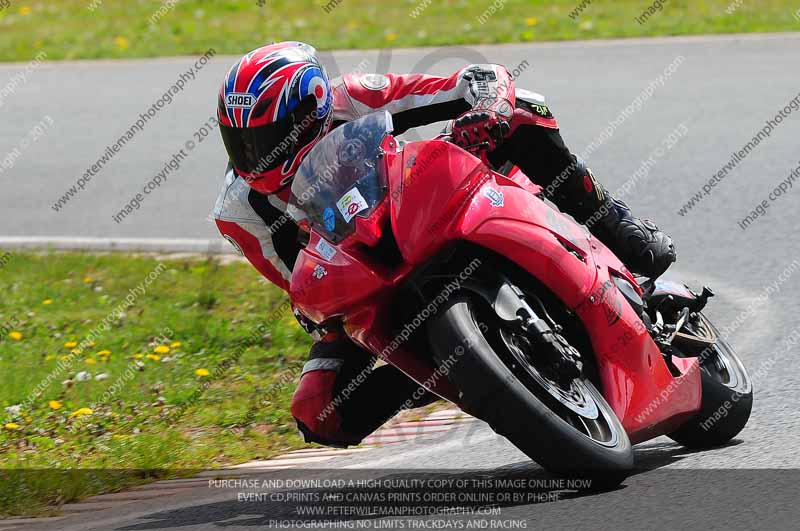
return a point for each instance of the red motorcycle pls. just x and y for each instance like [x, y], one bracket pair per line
[470, 283]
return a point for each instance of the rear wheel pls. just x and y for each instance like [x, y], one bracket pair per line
[564, 424]
[727, 389]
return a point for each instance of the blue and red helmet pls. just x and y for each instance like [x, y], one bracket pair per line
[274, 105]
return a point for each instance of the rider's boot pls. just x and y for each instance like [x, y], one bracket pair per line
[639, 243]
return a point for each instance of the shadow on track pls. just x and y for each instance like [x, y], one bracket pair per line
[361, 494]
[399, 494]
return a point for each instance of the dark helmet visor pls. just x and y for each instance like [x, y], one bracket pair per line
[256, 150]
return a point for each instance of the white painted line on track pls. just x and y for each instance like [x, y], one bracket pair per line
[150, 245]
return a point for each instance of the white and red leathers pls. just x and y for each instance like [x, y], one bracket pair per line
[244, 216]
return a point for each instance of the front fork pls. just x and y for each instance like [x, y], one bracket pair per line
[510, 305]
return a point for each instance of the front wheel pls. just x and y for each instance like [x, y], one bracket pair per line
[727, 389]
[568, 428]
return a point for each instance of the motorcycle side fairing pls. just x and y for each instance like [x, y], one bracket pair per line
[349, 287]
[440, 195]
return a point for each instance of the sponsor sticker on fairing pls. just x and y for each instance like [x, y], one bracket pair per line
[325, 250]
[495, 196]
[319, 272]
[351, 204]
[329, 219]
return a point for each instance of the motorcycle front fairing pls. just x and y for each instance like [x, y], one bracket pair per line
[438, 195]
[453, 197]
[336, 277]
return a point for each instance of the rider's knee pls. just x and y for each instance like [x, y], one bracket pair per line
[315, 405]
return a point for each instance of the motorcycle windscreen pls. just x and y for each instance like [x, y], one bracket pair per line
[342, 177]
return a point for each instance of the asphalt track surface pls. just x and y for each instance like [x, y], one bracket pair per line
[719, 97]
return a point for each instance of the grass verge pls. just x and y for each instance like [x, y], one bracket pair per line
[115, 370]
[68, 29]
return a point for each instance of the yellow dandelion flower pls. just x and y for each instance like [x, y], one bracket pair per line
[16, 336]
[81, 412]
[104, 353]
[70, 344]
[161, 349]
[137, 356]
[12, 426]
[175, 344]
[89, 361]
[531, 21]
[201, 372]
[54, 404]
[65, 357]
[154, 357]
[47, 302]
[122, 43]
[88, 280]
[391, 37]
[25, 11]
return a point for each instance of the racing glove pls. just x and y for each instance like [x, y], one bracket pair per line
[485, 126]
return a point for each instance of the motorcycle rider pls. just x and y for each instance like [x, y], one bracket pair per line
[276, 103]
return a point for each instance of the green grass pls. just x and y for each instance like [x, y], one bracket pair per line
[68, 29]
[152, 416]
